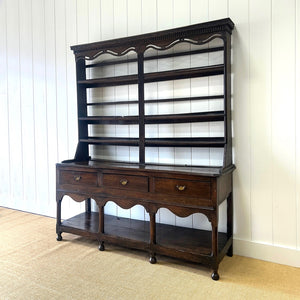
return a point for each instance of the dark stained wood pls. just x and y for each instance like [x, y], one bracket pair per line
[184, 190]
[200, 32]
[195, 241]
[157, 100]
[185, 142]
[146, 58]
[86, 178]
[212, 116]
[157, 142]
[111, 141]
[182, 187]
[126, 182]
[153, 77]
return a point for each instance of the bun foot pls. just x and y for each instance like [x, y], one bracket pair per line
[215, 275]
[101, 246]
[152, 259]
[59, 237]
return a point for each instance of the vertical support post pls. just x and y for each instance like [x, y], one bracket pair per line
[152, 237]
[58, 216]
[141, 107]
[214, 219]
[227, 160]
[88, 205]
[82, 151]
[214, 254]
[101, 227]
[230, 222]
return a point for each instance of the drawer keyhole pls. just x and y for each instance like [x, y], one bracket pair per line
[77, 178]
[124, 182]
[180, 187]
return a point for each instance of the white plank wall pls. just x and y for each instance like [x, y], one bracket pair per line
[38, 107]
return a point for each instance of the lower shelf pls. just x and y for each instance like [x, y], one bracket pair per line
[181, 239]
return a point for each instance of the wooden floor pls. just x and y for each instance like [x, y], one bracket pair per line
[33, 265]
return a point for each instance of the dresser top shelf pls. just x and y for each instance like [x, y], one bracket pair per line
[107, 164]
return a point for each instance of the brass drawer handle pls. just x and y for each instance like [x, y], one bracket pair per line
[123, 181]
[77, 178]
[180, 187]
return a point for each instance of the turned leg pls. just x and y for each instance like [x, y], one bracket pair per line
[152, 259]
[214, 254]
[215, 275]
[88, 205]
[101, 246]
[230, 222]
[101, 227]
[58, 217]
[59, 237]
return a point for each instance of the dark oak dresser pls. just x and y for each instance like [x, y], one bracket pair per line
[120, 73]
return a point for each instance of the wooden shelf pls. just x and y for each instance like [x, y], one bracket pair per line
[115, 141]
[216, 142]
[194, 241]
[122, 120]
[185, 118]
[109, 81]
[184, 73]
[186, 142]
[157, 100]
[157, 119]
[154, 77]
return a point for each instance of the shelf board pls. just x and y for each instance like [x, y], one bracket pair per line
[157, 100]
[216, 142]
[84, 222]
[184, 73]
[210, 171]
[185, 118]
[194, 241]
[157, 119]
[109, 81]
[154, 76]
[114, 141]
[123, 120]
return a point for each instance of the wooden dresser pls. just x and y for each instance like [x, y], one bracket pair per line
[130, 66]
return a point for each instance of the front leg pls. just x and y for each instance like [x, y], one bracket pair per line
[215, 275]
[58, 216]
[59, 237]
[101, 246]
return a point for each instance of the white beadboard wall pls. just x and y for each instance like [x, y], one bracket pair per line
[38, 106]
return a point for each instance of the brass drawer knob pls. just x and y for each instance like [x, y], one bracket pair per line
[123, 181]
[180, 187]
[77, 178]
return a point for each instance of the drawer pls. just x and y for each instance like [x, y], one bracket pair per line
[127, 182]
[81, 178]
[182, 187]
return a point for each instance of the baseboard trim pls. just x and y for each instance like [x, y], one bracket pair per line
[276, 254]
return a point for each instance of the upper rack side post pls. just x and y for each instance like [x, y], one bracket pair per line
[82, 151]
[227, 159]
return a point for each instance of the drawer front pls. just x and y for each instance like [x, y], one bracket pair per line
[182, 187]
[81, 178]
[127, 182]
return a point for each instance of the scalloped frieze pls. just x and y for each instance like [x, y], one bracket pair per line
[77, 197]
[168, 45]
[94, 54]
[182, 212]
[196, 35]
